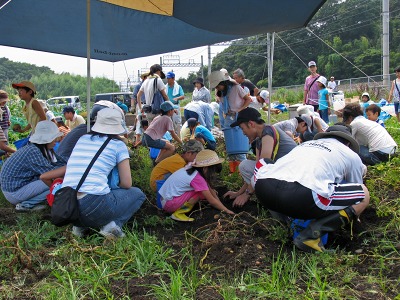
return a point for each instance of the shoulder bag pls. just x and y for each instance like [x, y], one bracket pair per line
[65, 209]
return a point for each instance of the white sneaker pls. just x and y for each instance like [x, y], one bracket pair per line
[79, 231]
[20, 208]
[112, 230]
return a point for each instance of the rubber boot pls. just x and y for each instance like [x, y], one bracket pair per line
[309, 239]
[233, 166]
[180, 214]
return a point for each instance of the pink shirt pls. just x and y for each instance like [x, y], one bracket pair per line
[159, 126]
[235, 97]
[312, 96]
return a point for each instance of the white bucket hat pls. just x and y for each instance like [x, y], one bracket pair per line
[45, 133]
[217, 77]
[108, 121]
[322, 80]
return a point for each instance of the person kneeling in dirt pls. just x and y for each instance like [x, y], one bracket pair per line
[271, 143]
[175, 162]
[307, 184]
[184, 188]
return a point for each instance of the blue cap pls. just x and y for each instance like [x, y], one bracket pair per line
[170, 75]
[167, 106]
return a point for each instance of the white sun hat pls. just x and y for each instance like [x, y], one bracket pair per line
[108, 121]
[45, 133]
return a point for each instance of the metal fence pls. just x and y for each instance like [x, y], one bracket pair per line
[371, 84]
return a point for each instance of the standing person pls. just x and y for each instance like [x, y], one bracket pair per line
[184, 188]
[99, 205]
[233, 99]
[136, 109]
[5, 114]
[238, 75]
[310, 86]
[332, 84]
[175, 95]
[394, 93]
[272, 143]
[173, 163]
[376, 144]
[148, 90]
[32, 109]
[200, 92]
[19, 177]
[313, 189]
[152, 137]
[72, 119]
[323, 102]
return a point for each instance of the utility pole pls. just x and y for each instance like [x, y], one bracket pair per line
[385, 43]
[209, 65]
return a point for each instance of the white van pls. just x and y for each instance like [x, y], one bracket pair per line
[60, 102]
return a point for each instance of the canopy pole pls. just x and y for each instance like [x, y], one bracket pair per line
[270, 60]
[88, 63]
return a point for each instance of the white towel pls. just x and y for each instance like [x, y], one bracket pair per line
[175, 91]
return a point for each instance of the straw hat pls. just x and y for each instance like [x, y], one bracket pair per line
[108, 121]
[45, 133]
[207, 158]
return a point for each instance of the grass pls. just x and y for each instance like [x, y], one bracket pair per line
[40, 261]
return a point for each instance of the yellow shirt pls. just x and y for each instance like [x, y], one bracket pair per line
[167, 165]
[31, 116]
[77, 120]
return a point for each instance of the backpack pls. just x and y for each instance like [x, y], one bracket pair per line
[158, 99]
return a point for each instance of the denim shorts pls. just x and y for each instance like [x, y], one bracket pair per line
[149, 142]
[396, 107]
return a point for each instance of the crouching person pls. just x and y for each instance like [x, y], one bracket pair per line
[307, 184]
[20, 174]
[184, 188]
[99, 205]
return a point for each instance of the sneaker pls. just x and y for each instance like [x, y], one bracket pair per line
[20, 208]
[79, 231]
[112, 230]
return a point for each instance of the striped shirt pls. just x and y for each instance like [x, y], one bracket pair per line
[85, 149]
[25, 166]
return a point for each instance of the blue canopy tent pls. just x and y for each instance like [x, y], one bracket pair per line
[115, 30]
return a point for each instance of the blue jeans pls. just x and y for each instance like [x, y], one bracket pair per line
[119, 206]
[190, 114]
[29, 195]
[372, 158]
[324, 115]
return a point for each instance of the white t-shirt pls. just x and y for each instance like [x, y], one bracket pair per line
[84, 150]
[371, 134]
[317, 165]
[148, 89]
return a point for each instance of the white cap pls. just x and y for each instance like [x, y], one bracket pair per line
[265, 95]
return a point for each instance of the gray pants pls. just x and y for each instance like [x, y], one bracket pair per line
[246, 169]
[31, 194]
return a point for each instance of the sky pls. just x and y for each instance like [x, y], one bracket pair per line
[118, 71]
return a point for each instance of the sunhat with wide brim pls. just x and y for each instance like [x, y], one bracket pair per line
[218, 76]
[109, 121]
[45, 133]
[339, 131]
[206, 158]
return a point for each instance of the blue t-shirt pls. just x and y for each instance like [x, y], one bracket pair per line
[170, 91]
[322, 96]
[205, 132]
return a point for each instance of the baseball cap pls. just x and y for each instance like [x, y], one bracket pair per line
[167, 106]
[170, 75]
[27, 84]
[192, 122]
[246, 115]
[311, 63]
[265, 95]
[155, 68]
[192, 146]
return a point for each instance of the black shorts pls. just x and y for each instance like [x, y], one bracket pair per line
[299, 202]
